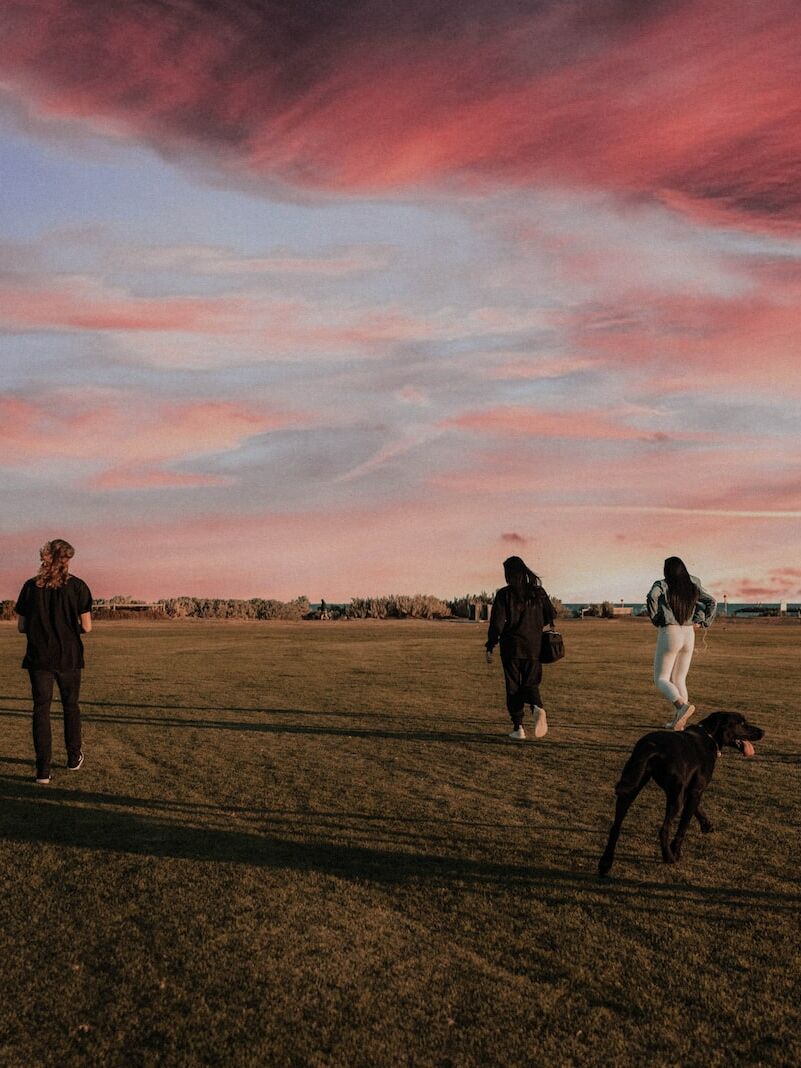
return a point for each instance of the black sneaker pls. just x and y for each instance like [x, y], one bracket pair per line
[74, 764]
[44, 779]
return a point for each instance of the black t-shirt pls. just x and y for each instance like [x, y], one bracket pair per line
[53, 624]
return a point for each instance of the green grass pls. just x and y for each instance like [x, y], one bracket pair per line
[313, 844]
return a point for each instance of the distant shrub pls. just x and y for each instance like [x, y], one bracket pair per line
[104, 611]
[7, 610]
[460, 606]
[222, 608]
[561, 611]
[599, 611]
[398, 606]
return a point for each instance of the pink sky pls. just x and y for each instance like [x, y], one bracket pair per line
[362, 300]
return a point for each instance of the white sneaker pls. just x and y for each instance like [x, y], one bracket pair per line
[679, 721]
[519, 734]
[540, 722]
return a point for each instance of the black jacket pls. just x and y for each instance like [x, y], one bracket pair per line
[518, 626]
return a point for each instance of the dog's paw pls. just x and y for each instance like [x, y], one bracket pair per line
[668, 857]
[707, 828]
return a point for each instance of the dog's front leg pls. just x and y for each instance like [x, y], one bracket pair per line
[672, 808]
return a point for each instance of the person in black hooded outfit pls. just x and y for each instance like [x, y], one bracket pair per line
[521, 611]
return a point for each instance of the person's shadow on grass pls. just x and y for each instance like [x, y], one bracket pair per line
[476, 737]
[64, 818]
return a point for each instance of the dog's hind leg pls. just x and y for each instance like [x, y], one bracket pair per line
[637, 770]
[690, 808]
[673, 806]
[623, 804]
[704, 822]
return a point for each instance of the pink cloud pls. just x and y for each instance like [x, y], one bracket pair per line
[136, 478]
[128, 437]
[414, 395]
[82, 304]
[246, 328]
[759, 488]
[212, 260]
[373, 98]
[700, 341]
[776, 585]
[518, 421]
[538, 368]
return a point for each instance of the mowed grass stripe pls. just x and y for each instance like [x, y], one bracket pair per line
[312, 844]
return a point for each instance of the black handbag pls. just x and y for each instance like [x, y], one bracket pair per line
[552, 647]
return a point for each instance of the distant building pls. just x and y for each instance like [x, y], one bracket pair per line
[106, 609]
[479, 611]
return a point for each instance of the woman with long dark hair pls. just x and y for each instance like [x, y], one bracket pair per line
[520, 612]
[53, 609]
[677, 604]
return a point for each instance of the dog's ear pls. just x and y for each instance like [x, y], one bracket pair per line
[722, 726]
[714, 721]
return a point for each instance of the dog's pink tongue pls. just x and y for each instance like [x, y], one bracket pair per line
[748, 749]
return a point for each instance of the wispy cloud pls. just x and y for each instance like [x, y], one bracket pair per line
[213, 260]
[536, 369]
[123, 441]
[518, 421]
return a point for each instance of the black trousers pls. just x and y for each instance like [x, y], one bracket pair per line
[522, 678]
[69, 687]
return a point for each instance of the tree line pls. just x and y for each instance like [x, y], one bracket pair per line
[391, 606]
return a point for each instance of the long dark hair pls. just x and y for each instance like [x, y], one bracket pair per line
[682, 593]
[525, 585]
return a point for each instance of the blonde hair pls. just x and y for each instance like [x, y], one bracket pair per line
[54, 570]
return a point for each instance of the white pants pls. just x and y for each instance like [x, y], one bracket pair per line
[674, 651]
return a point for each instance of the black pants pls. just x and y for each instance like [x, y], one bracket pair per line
[69, 687]
[522, 678]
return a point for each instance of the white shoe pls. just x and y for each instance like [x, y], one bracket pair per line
[679, 721]
[519, 734]
[540, 722]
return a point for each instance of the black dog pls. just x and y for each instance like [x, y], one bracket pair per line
[682, 763]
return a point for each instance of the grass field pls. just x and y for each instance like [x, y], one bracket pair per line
[313, 844]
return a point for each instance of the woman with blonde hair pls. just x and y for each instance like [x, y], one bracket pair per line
[677, 604]
[53, 609]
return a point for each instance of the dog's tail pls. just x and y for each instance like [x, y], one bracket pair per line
[636, 770]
